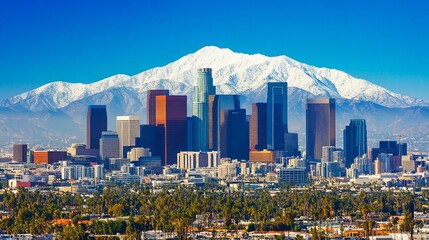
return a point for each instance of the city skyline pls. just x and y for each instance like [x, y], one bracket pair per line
[385, 47]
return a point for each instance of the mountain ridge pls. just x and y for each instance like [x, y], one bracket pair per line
[233, 73]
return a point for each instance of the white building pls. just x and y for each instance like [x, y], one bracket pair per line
[192, 160]
[128, 128]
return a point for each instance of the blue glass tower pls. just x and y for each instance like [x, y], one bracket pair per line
[203, 89]
[276, 115]
[355, 140]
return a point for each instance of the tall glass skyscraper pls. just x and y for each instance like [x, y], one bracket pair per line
[320, 126]
[203, 89]
[219, 107]
[355, 140]
[276, 115]
[151, 104]
[171, 121]
[96, 123]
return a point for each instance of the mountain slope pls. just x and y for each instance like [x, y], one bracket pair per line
[233, 73]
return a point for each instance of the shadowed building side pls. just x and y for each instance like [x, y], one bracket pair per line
[320, 126]
[96, 123]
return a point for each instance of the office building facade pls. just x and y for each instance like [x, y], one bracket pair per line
[128, 129]
[355, 140]
[172, 122]
[320, 126]
[258, 127]
[109, 145]
[151, 104]
[276, 115]
[20, 152]
[96, 123]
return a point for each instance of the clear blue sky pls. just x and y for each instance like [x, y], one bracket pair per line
[385, 42]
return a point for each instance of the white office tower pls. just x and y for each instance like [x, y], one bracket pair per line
[327, 153]
[109, 145]
[228, 169]
[98, 172]
[128, 128]
[76, 172]
[191, 160]
[137, 153]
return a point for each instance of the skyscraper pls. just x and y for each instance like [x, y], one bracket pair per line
[149, 138]
[217, 125]
[172, 121]
[20, 152]
[128, 128]
[151, 104]
[203, 89]
[320, 126]
[276, 115]
[96, 123]
[258, 126]
[355, 140]
[109, 145]
[237, 128]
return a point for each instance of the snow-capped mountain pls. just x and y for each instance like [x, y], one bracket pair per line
[233, 73]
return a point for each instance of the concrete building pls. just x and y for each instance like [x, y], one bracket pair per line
[293, 176]
[128, 129]
[192, 160]
[137, 153]
[109, 145]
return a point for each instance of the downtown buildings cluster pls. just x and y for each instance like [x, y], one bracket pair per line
[219, 141]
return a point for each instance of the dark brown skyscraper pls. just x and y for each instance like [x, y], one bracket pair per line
[20, 152]
[320, 126]
[172, 121]
[258, 127]
[96, 123]
[151, 104]
[217, 130]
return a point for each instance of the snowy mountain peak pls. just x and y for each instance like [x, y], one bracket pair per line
[233, 73]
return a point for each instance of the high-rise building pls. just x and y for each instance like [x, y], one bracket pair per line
[109, 145]
[151, 104]
[219, 105]
[20, 152]
[149, 138]
[276, 115]
[96, 123]
[389, 147]
[128, 128]
[200, 114]
[258, 127]
[320, 126]
[355, 140]
[237, 128]
[172, 121]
